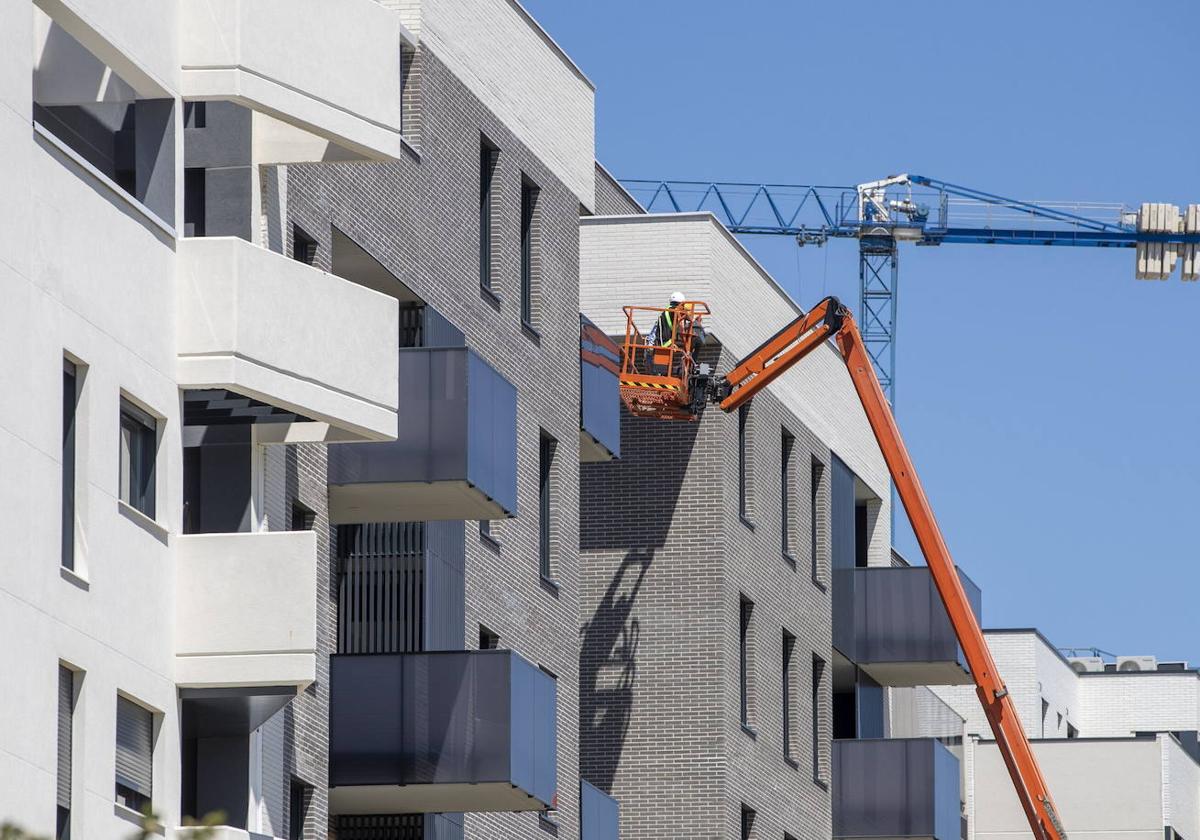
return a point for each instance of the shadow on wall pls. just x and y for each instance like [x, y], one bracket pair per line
[608, 666]
[632, 500]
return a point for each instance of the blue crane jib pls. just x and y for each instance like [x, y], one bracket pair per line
[924, 211]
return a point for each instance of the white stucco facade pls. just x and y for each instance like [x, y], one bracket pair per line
[90, 275]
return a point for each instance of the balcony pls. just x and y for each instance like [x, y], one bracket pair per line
[246, 612]
[455, 456]
[890, 621]
[308, 350]
[599, 814]
[346, 89]
[599, 396]
[453, 731]
[895, 788]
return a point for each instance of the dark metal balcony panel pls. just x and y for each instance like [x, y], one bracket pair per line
[455, 456]
[895, 788]
[599, 814]
[892, 623]
[441, 732]
[600, 394]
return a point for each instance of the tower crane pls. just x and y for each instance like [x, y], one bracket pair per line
[660, 378]
[884, 213]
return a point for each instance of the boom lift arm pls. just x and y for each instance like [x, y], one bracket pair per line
[830, 319]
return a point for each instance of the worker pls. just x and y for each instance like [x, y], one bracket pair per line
[668, 330]
[663, 332]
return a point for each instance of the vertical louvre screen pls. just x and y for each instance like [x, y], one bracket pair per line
[381, 827]
[135, 737]
[381, 587]
[66, 710]
[412, 318]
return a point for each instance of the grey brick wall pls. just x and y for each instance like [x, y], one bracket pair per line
[611, 197]
[665, 560]
[418, 217]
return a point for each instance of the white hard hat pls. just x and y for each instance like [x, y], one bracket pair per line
[677, 297]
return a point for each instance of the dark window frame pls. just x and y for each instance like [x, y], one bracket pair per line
[747, 827]
[488, 639]
[530, 196]
[304, 247]
[745, 619]
[787, 444]
[816, 476]
[818, 705]
[128, 792]
[70, 417]
[299, 799]
[743, 454]
[488, 159]
[789, 647]
[142, 429]
[547, 449]
[195, 201]
[66, 751]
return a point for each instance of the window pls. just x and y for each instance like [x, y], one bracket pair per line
[195, 114]
[304, 247]
[135, 755]
[814, 510]
[303, 518]
[789, 645]
[545, 489]
[487, 167]
[747, 822]
[66, 720]
[138, 444]
[70, 398]
[194, 203]
[529, 198]
[743, 458]
[1072, 732]
[485, 530]
[746, 609]
[786, 443]
[818, 706]
[297, 808]
[487, 639]
[862, 535]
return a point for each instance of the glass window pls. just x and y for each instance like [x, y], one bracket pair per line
[139, 441]
[135, 755]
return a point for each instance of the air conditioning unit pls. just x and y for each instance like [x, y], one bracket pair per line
[1137, 663]
[1087, 664]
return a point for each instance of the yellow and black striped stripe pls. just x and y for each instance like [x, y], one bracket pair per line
[660, 386]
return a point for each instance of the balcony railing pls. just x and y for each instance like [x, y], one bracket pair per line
[451, 731]
[895, 788]
[455, 456]
[891, 622]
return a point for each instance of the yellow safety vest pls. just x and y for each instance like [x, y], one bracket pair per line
[666, 340]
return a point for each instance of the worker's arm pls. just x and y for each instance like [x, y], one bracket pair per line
[785, 349]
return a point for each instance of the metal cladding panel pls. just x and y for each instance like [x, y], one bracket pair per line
[446, 420]
[366, 744]
[600, 814]
[445, 593]
[451, 718]
[535, 731]
[600, 395]
[895, 615]
[895, 788]
[492, 433]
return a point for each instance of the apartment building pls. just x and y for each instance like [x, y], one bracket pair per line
[744, 620]
[157, 612]
[1116, 738]
[256, 234]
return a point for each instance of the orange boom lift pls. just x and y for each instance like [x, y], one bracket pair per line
[663, 380]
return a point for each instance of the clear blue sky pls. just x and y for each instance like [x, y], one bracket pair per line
[1051, 402]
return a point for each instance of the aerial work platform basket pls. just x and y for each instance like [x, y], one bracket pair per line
[658, 375]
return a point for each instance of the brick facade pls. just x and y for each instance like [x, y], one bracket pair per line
[418, 218]
[666, 561]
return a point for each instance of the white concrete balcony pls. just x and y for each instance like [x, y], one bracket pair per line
[246, 610]
[317, 350]
[332, 69]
